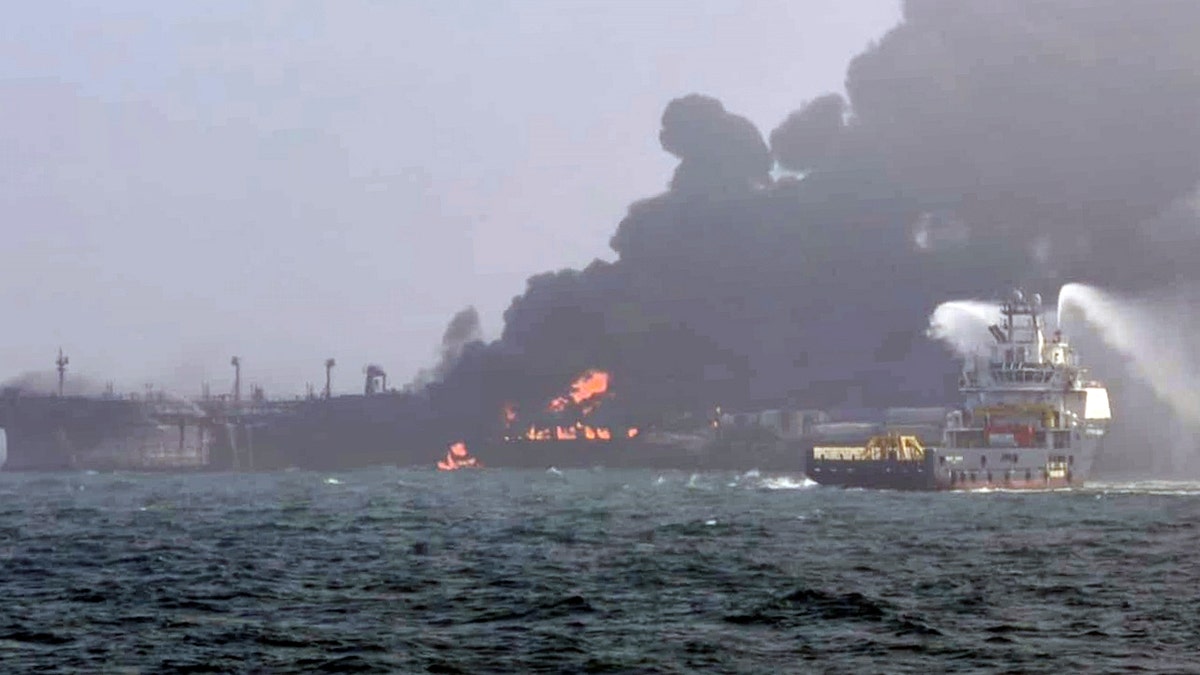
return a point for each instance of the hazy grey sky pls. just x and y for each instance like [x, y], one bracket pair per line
[288, 181]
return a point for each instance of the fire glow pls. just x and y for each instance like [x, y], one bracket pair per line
[586, 394]
[457, 457]
[593, 384]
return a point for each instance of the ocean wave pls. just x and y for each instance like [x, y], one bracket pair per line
[1147, 487]
[786, 483]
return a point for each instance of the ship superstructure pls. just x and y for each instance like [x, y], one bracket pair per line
[1029, 419]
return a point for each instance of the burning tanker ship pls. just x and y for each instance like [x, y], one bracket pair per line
[1030, 420]
[587, 427]
[588, 424]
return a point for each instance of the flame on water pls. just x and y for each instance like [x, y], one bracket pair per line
[457, 457]
[631, 432]
[510, 414]
[592, 384]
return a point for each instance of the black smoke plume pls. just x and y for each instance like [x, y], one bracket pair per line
[808, 139]
[983, 144]
[717, 151]
[462, 330]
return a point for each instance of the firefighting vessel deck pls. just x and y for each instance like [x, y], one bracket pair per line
[1029, 420]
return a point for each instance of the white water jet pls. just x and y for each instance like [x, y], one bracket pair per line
[963, 325]
[1153, 334]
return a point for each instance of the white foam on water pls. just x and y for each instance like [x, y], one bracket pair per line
[787, 483]
[1147, 487]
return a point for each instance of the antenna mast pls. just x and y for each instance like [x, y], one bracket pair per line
[237, 379]
[61, 363]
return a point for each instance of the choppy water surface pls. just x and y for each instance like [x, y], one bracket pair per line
[640, 571]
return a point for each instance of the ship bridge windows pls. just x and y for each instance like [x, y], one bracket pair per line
[1021, 372]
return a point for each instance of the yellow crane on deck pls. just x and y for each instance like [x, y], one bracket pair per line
[891, 446]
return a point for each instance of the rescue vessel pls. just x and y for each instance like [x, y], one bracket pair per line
[1029, 419]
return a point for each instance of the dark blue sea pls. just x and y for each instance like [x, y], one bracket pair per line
[392, 570]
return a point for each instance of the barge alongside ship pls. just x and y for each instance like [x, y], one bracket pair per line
[1029, 420]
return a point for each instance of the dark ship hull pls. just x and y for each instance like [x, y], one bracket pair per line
[56, 433]
[652, 451]
[360, 431]
[343, 432]
[1026, 470]
[881, 474]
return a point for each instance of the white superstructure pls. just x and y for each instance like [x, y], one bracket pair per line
[1030, 416]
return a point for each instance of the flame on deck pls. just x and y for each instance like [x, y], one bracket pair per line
[457, 457]
[588, 387]
[587, 393]
[572, 432]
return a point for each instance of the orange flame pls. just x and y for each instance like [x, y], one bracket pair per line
[587, 393]
[590, 385]
[457, 457]
[535, 434]
[570, 433]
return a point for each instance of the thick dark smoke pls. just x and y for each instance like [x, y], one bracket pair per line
[809, 138]
[984, 143]
[717, 151]
[462, 330]
[1057, 127]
